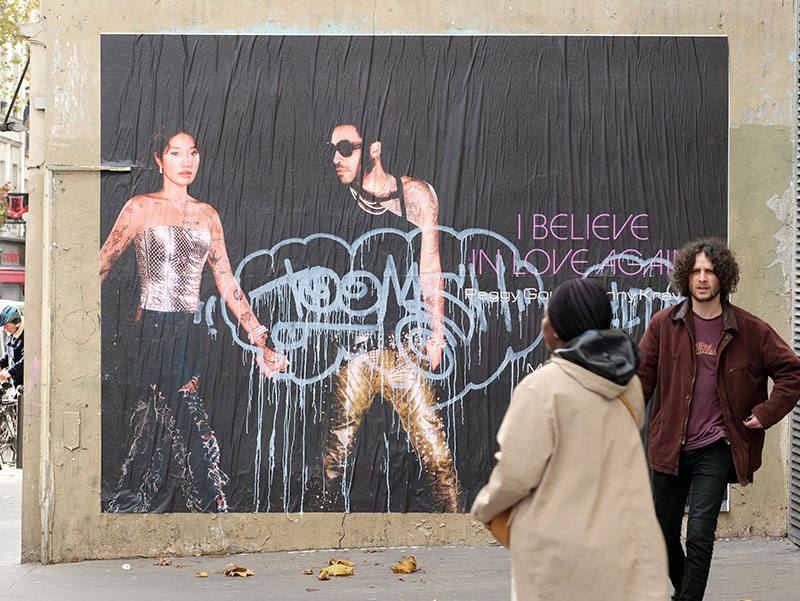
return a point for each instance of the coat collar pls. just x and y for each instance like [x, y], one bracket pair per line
[589, 380]
[681, 312]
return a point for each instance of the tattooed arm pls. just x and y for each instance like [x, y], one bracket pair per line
[120, 237]
[422, 206]
[270, 362]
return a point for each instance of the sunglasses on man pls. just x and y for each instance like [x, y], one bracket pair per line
[343, 147]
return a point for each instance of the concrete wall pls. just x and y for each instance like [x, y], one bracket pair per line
[62, 464]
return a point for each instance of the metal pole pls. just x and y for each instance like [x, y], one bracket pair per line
[19, 85]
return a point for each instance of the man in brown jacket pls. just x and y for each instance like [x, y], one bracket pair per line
[708, 362]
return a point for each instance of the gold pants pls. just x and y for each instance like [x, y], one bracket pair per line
[391, 375]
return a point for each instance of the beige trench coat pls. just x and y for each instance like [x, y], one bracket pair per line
[572, 464]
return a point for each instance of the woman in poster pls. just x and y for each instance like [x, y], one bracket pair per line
[172, 460]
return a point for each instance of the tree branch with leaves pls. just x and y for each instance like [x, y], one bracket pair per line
[14, 47]
[4, 190]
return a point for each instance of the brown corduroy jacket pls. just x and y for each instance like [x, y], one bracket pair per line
[749, 353]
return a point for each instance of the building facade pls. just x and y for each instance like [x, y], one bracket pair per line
[13, 176]
[62, 513]
[12, 262]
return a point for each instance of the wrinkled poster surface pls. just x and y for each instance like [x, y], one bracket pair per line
[327, 266]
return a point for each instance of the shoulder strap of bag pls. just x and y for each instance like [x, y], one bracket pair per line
[630, 409]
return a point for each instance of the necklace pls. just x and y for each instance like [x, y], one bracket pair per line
[376, 206]
[182, 212]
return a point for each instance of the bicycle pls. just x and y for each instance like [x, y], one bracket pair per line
[8, 424]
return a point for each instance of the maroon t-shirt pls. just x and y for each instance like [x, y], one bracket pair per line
[705, 412]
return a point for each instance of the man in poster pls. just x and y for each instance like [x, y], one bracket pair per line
[388, 361]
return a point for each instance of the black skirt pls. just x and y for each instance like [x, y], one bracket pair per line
[172, 460]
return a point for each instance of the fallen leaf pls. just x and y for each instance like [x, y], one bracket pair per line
[237, 571]
[337, 569]
[407, 566]
[202, 574]
[74, 560]
[400, 580]
[311, 590]
[374, 550]
[342, 562]
[177, 565]
[308, 572]
[163, 562]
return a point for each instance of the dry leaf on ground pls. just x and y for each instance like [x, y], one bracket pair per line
[407, 566]
[343, 562]
[238, 571]
[202, 574]
[308, 572]
[374, 550]
[163, 562]
[336, 569]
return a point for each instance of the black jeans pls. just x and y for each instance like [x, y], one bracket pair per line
[706, 471]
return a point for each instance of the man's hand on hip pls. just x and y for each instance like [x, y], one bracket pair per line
[753, 423]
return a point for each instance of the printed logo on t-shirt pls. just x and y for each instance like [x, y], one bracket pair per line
[704, 348]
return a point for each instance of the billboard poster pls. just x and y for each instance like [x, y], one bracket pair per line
[327, 266]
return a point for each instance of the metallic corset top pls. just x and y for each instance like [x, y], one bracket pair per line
[170, 262]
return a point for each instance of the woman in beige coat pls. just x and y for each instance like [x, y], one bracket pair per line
[572, 468]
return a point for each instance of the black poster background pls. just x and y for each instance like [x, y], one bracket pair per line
[504, 128]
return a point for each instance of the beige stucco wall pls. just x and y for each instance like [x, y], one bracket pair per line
[61, 517]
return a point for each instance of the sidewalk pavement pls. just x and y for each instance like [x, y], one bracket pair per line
[756, 569]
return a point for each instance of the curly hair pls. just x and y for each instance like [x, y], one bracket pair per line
[725, 267]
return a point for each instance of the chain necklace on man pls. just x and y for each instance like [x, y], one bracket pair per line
[381, 203]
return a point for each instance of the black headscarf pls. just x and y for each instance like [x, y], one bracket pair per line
[577, 306]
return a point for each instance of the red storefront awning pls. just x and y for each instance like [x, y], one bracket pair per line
[12, 276]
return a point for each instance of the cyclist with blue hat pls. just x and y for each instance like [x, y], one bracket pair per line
[11, 364]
